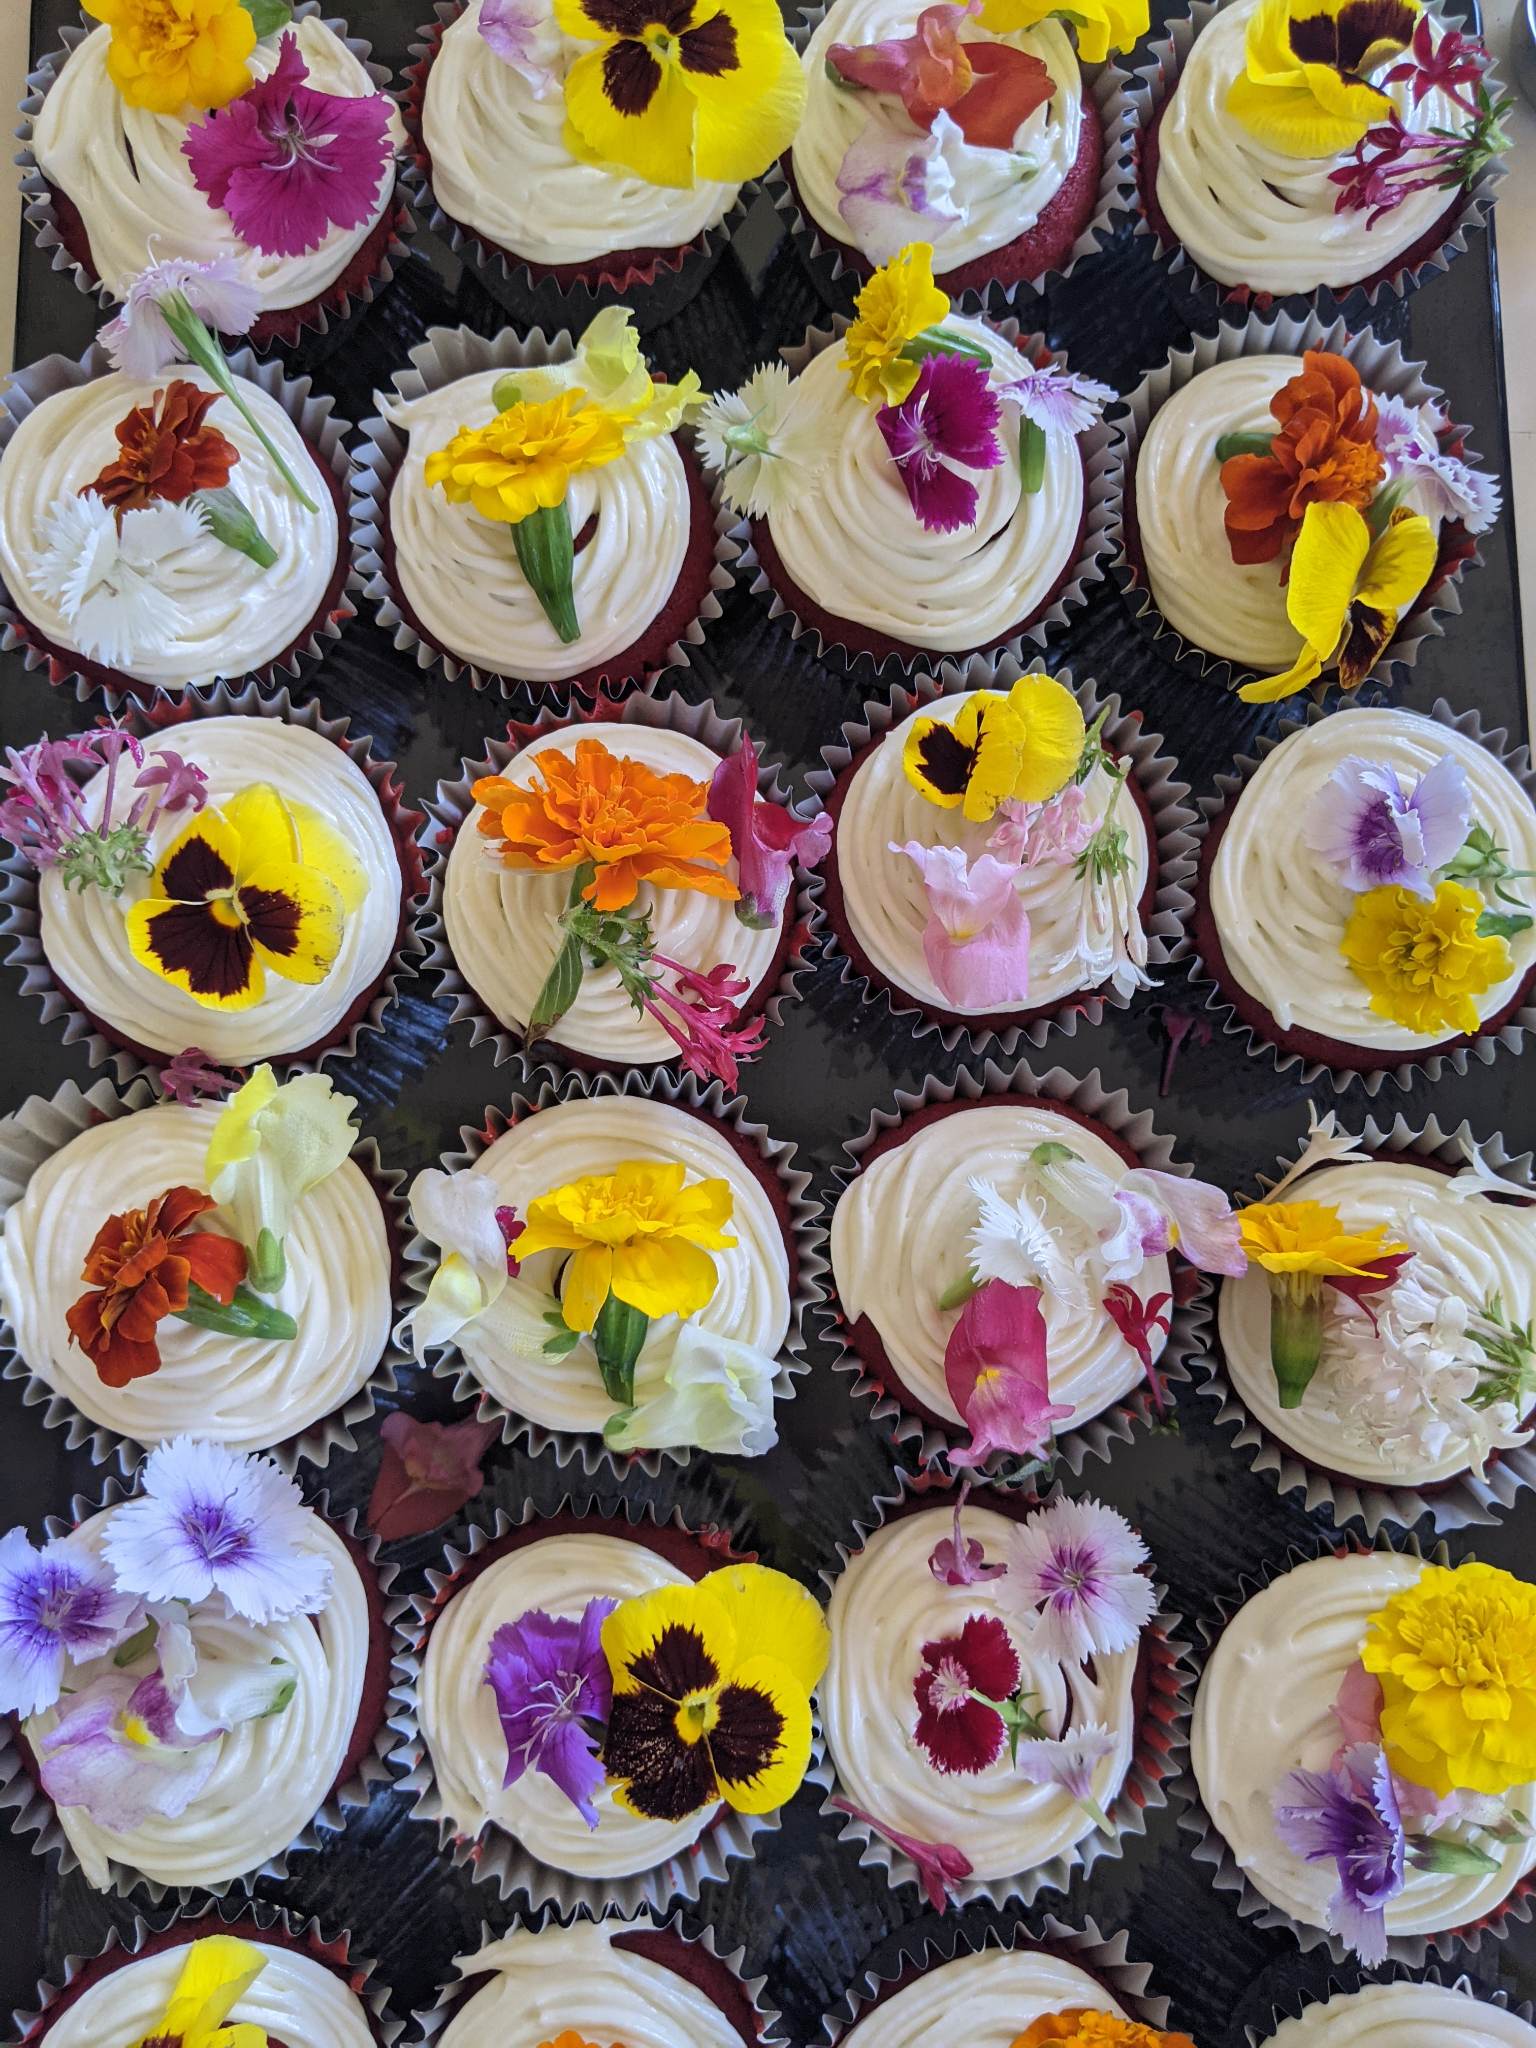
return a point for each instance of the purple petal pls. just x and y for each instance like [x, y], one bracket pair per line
[1444, 807]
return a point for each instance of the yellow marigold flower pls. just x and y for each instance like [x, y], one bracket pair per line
[167, 55]
[892, 309]
[1303, 88]
[1081, 2027]
[1101, 25]
[1455, 1653]
[216, 1975]
[1025, 746]
[1424, 963]
[643, 1232]
[523, 461]
[1310, 1237]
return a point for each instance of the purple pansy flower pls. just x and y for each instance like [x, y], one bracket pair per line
[890, 182]
[551, 1678]
[1058, 401]
[1348, 1816]
[1445, 486]
[951, 416]
[1379, 834]
[766, 839]
[1074, 1569]
[57, 1604]
[139, 341]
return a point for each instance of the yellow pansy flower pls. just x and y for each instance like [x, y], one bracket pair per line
[1346, 592]
[1310, 1237]
[893, 308]
[522, 462]
[1100, 25]
[1025, 746]
[1302, 89]
[216, 1975]
[643, 1232]
[1424, 962]
[168, 55]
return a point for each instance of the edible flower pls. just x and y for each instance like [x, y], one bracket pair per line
[1378, 834]
[768, 459]
[1082, 2027]
[46, 819]
[112, 577]
[959, 1733]
[1348, 1816]
[427, 1472]
[165, 55]
[767, 840]
[167, 451]
[273, 1143]
[142, 1266]
[940, 1865]
[949, 417]
[1302, 1246]
[1024, 747]
[610, 366]
[1391, 161]
[218, 1971]
[996, 1375]
[58, 1606]
[716, 1396]
[1441, 60]
[1100, 25]
[1056, 400]
[988, 89]
[1305, 89]
[1443, 485]
[1425, 962]
[958, 1559]
[976, 939]
[1324, 453]
[522, 34]
[524, 459]
[888, 182]
[1069, 1762]
[712, 1689]
[464, 1216]
[1145, 1325]
[896, 306]
[551, 1681]
[1076, 1580]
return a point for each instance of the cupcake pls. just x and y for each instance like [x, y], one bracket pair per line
[929, 487]
[471, 565]
[279, 1214]
[1358, 1782]
[1405, 2015]
[663, 926]
[234, 883]
[195, 1674]
[1248, 475]
[1359, 903]
[1283, 161]
[645, 1810]
[628, 1268]
[978, 1718]
[145, 148]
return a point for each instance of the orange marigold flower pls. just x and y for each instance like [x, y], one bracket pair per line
[167, 451]
[141, 1267]
[1081, 2027]
[570, 2039]
[1324, 453]
[630, 823]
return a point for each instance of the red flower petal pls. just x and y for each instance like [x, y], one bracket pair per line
[962, 1735]
[1009, 85]
[427, 1472]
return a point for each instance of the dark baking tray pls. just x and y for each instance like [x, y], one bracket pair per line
[806, 1912]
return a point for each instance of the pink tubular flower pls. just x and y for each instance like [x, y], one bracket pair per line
[961, 1560]
[890, 183]
[976, 940]
[1451, 63]
[960, 1734]
[950, 417]
[191, 1077]
[288, 163]
[1042, 835]
[427, 1472]
[766, 839]
[1362, 1288]
[699, 1014]
[995, 1371]
[1137, 1321]
[940, 1865]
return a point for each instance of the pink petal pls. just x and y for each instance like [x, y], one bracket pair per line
[996, 1374]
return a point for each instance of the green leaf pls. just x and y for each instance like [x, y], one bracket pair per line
[560, 989]
[618, 1335]
[546, 554]
[937, 341]
[1498, 924]
[268, 15]
[229, 520]
[1243, 444]
[1031, 457]
[136, 1646]
[246, 1316]
[562, 1338]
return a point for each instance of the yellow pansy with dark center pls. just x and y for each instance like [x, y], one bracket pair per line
[1305, 86]
[1353, 41]
[217, 1973]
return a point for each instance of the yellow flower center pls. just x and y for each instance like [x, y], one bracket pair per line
[136, 1731]
[698, 1716]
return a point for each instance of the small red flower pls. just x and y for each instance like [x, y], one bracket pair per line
[960, 1734]
[167, 451]
[141, 1268]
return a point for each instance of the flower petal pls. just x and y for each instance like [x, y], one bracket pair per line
[761, 1743]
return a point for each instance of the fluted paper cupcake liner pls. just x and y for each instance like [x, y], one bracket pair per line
[1383, 369]
[32, 1812]
[370, 269]
[1109, 1112]
[771, 1159]
[447, 354]
[1507, 1029]
[248, 1919]
[1163, 1704]
[1211, 1849]
[1343, 1985]
[43, 1126]
[454, 802]
[20, 917]
[1147, 82]
[1069, 594]
[495, 1856]
[1166, 902]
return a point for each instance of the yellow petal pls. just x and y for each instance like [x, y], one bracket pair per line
[1306, 668]
[747, 118]
[587, 1284]
[295, 920]
[1325, 568]
[770, 1610]
[635, 1627]
[1054, 732]
[663, 1276]
[701, 1212]
[321, 846]
[1399, 564]
[657, 143]
[264, 825]
[217, 1973]
[234, 1137]
[574, 20]
[754, 1778]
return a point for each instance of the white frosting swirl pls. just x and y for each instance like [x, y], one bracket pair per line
[1404, 2016]
[899, 1238]
[500, 165]
[295, 1999]
[884, 1608]
[569, 1141]
[84, 935]
[1265, 1708]
[238, 615]
[999, 199]
[502, 923]
[462, 1729]
[1281, 909]
[1248, 213]
[855, 545]
[574, 1977]
[883, 895]
[1000, 1993]
[272, 1776]
[248, 1392]
[459, 572]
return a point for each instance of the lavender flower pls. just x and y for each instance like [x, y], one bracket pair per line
[551, 1679]
[1068, 1761]
[57, 1604]
[118, 1753]
[1377, 834]
[1074, 1570]
[1348, 1816]
[961, 1560]
[1444, 486]
[1058, 401]
[522, 34]
[192, 1077]
[140, 342]
[888, 183]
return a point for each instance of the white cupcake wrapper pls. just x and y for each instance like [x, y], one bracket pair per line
[447, 811]
[1426, 1065]
[1340, 1984]
[447, 354]
[38, 207]
[1086, 568]
[1188, 1337]
[1174, 821]
[1146, 85]
[496, 1857]
[20, 922]
[1162, 1733]
[41, 1127]
[1383, 368]
[836, 278]
[541, 1090]
[32, 1812]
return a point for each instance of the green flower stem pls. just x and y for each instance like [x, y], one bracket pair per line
[1379, 512]
[936, 341]
[1031, 457]
[1096, 1814]
[202, 348]
[959, 1292]
[617, 1337]
[546, 554]
[1295, 1333]
[1243, 444]
[246, 1316]
[228, 519]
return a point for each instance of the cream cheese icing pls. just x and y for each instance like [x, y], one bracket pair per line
[273, 1775]
[84, 934]
[501, 167]
[885, 1607]
[502, 923]
[247, 1392]
[566, 1142]
[540, 1984]
[883, 895]
[1404, 2016]
[999, 200]
[237, 616]
[459, 1721]
[295, 1999]
[124, 169]
[899, 1237]
[1265, 1707]
[1248, 213]
[999, 1992]
[459, 573]
[1281, 910]
[855, 546]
